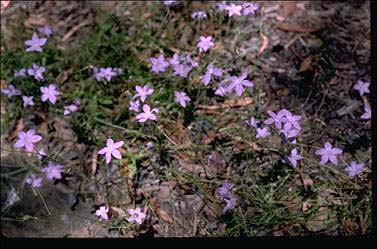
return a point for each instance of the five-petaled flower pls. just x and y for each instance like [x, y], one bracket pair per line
[205, 43]
[239, 83]
[136, 215]
[47, 30]
[328, 153]
[182, 98]
[11, 91]
[111, 149]
[102, 213]
[159, 64]
[234, 9]
[211, 70]
[36, 71]
[262, 132]
[28, 101]
[27, 140]
[35, 43]
[249, 8]
[362, 87]
[34, 180]
[181, 70]
[107, 73]
[49, 93]
[275, 118]
[20, 73]
[294, 157]
[143, 92]
[354, 169]
[147, 114]
[53, 170]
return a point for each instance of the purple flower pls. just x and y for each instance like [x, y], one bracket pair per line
[222, 6]
[289, 119]
[36, 71]
[102, 213]
[226, 195]
[198, 15]
[107, 73]
[143, 92]
[354, 169]
[221, 91]
[329, 153]
[70, 109]
[252, 122]
[101, 74]
[211, 70]
[149, 145]
[368, 112]
[159, 64]
[275, 118]
[294, 157]
[230, 203]
[239, 83]
[27, 139]
[181, 70]
[46, 30]
[362, 87]
[205, 43]
[53, 170]
[20, 73]
[34, 180]
[136, 215]
[134, 105]
[182, 98]
[28, 101]
[262, 132]
[35, 43]
[10, 91]
[249, 8]
[111, 149]
[289, 134]
[174, 60]
[49, 93]
[234, 9]
[147, 114]
[223, 191]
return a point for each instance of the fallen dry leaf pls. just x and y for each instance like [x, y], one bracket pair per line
[306, 64]
[264, 44]
[3, 84]
[35, 21]
[295, 28]
[19, 127]
[120, 211]
[228, 103]
[164, 215]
